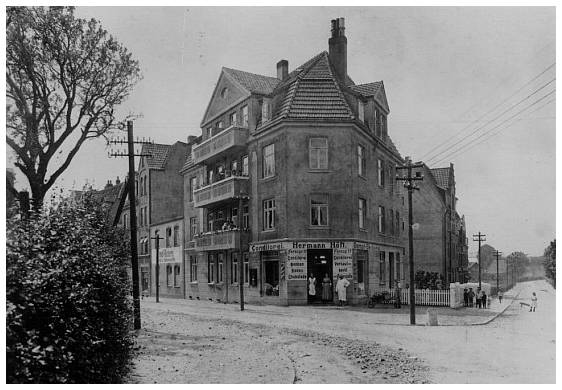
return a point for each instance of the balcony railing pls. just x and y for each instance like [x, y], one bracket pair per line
[220, 240]
[231, 187]
[229, 139]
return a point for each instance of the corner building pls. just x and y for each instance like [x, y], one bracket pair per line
[294, 175]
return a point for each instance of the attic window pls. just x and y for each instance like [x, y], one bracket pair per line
[224, 93]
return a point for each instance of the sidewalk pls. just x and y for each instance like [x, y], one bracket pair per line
[380, 315]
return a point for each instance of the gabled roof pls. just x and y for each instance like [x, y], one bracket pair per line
[312, 92]
[441, 176]
[158, 155]
[254, 83]
[367, 90]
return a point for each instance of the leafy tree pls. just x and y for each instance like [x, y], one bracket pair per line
[68, 305]
[550, 262]
[65, 76]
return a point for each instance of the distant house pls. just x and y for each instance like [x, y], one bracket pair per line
[440, 243]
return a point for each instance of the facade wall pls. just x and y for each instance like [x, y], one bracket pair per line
[170, 259]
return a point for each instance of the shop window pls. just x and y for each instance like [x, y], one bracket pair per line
[193, 268]
[361, 160]
[319, 210]
[193, 227]
[169, 276]
[168, 237]
[269, 214]
[245, 171]
[246, 268]
[271, 286]
[268, 161]
[176, 236]
[318, 153]
[362, 213]
[245, 116]
[382, 268]
[235, 269]
[176, 276]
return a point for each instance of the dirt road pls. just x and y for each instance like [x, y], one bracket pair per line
[203, 342]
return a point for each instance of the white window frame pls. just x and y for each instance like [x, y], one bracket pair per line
[317, 206]
[246, 268]
[315, 153]
[380, 219]
[192, 185]
[245, 116]
[193, 268]
[361, 160]
[233, 117]
[268, 153]
[245, 166]
[361, 111]
[380, 173]
[362, 212]
[268, 214]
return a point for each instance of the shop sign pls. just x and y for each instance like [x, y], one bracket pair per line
[296, 264]
[286, 245]
[167, 255]
[343, 262]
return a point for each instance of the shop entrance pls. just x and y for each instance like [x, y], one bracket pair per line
[319, 263]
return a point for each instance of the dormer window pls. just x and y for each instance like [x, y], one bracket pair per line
[361, 111]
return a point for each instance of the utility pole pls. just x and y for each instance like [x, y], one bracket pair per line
[133, 212]
[481, 237]
[241, 259]
[409, 184]
[497, 253]
[157, 239]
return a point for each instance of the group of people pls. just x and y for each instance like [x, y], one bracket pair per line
[478, 299]
[341, 288]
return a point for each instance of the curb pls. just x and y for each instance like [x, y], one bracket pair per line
[499, 313]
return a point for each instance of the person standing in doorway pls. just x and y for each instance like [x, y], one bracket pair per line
[311, 287]
[341, 289]
[533, 302]
[326, 289]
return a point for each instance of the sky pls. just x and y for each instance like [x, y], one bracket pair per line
[451, 74]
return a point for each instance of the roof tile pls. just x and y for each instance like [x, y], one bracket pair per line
[254, 83]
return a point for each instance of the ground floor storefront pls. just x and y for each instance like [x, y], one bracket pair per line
[293, 272]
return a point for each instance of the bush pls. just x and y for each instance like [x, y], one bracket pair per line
[68, 298]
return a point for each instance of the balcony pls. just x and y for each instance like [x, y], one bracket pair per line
[225, 189]
[230, 140]
[220, 240]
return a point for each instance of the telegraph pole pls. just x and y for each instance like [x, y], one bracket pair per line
[157, 239]
[497, 253]
[481, 237]
[409, 184]
[132, 209]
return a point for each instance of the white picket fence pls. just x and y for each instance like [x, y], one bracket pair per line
[423, 297]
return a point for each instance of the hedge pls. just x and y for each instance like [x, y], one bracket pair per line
[68, 311]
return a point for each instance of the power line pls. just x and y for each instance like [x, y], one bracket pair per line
[453, 154]
[490, 111]
[468, 146]
[496, 117]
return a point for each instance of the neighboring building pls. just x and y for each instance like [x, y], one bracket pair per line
[170, 257]
[111, 198]
[294, 175]
[440, 243]
[159, 198]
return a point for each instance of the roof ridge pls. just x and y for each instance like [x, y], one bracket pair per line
[250, 73]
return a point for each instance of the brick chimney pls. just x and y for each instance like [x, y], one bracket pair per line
[117, 181]
[338, 48]
[282, 69]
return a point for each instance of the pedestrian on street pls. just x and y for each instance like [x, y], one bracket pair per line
[326, 289]
[470, 297]
[398, 293]
[533, 302]
[465, 296]
[311, 287]
[500, 295]
[479, 298]
[484, 299]
[341, 289]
